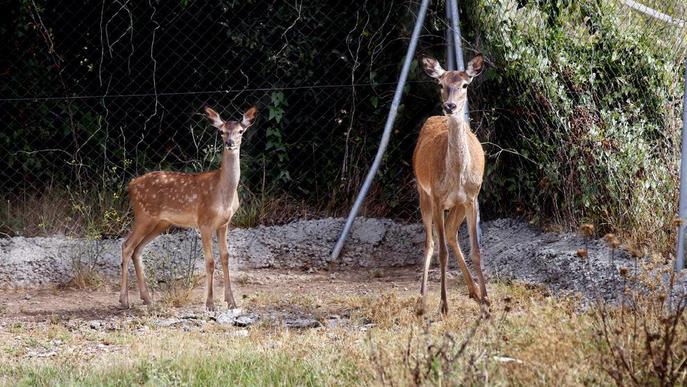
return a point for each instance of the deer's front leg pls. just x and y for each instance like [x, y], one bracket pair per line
[206, 236]
[224, 256]
[426, 210]
[438, 214]
[474, 249]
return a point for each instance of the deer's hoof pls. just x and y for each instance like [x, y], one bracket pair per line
[444, 308]
[229, 299]
[210, 306]
[485, 301]
[420, 307]
[124, 302]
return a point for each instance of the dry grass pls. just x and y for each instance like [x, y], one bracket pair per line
[85, 278]
[529, 338]
[178, 293]
[64, 211]
[101, 213]
[546, 336]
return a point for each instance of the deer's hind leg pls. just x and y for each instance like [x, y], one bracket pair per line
[426, 210]
[137, 234]
[138, 263]
[456, 215]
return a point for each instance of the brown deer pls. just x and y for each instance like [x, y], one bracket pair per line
[206, 201]
[448, 162]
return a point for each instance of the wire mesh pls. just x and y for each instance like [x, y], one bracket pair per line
[93, 94]
[584, 109]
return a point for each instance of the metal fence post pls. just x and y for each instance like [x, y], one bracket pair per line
[460, 61]
[387, 130]
[450, 48]
[682, 214]
[454, 19]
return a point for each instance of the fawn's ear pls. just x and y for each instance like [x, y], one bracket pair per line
[249, 117]
[475, 66]
[432, 67]
[214, 118]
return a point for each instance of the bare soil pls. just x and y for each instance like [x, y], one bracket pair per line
[42, 305]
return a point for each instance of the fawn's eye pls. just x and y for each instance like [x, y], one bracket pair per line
[465, 86]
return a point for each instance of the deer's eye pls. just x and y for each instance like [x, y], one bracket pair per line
[465, 85]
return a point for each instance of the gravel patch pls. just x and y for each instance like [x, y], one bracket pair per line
[511, 250]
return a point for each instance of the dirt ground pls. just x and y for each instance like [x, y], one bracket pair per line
[347, 326]
[102, 303]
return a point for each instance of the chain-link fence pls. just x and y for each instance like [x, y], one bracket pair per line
[99, 93]
[584, 106]
[578, 110]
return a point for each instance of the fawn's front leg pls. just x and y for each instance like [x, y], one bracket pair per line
[224, 256]
[206, 236]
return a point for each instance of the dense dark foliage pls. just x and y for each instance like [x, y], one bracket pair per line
[579, 108]
[138, 74]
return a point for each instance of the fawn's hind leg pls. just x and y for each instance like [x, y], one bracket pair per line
[137, 234]
[138, 263]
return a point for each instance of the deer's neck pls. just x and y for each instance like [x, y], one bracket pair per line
[229, 174]
[457, 154]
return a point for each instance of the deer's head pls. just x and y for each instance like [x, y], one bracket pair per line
[232, 131]
[454, 84]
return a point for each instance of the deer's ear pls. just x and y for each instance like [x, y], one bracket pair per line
[432, 67]
[214, 118]
[249, 117]
[475, 66]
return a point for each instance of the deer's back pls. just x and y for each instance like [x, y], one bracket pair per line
[170, 196]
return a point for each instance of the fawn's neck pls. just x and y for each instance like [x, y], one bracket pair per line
[229, 173]
[457, 154]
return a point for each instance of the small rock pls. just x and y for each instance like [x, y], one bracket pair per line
[229, 316]
[235, 317]
[244, 321]
[367, 327]
[189, 315]
[240, 333]
[95, 324]
[41, 354]
[168, 322]
[333, 321]
[302, 323]
[506, 359]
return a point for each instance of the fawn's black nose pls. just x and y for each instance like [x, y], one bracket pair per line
[229, 143]
[449, 107]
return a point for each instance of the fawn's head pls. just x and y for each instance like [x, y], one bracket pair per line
[232, 131]
[454, 84]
